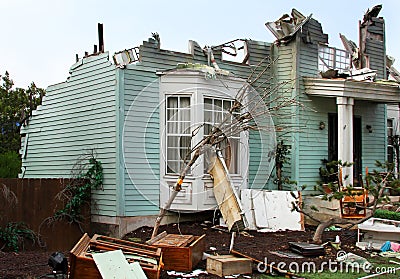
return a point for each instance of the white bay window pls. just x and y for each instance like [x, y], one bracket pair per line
[191, 106]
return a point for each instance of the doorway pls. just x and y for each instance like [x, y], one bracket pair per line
[357, 143]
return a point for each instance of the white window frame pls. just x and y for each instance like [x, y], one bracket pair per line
[177, 118]
[333, 58]
[197, 189]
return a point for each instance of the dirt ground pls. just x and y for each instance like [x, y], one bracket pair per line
[255, 244]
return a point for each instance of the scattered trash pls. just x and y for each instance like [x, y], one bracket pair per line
[333, 228]
[369, 246]
[205, 256]
[220, 228]
[194, 273]
[356, 261]
[335, 245]
[286, 254]
[307, 249]
[390, 254]
[390, 246]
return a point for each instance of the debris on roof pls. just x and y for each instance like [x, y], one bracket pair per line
[287, 26]
[352, 48]
[127, 56]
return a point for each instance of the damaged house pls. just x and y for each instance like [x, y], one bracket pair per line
[139, 110]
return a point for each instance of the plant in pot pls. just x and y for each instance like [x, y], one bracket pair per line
[329, 177]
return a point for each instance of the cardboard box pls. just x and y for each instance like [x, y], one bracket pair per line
[224, 265]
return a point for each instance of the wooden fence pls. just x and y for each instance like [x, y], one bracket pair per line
[35, 202]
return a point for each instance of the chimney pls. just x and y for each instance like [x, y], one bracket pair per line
[101, 39]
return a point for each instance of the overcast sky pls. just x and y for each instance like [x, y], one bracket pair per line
[39, 38]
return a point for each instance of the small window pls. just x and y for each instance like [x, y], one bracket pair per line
[178, 132]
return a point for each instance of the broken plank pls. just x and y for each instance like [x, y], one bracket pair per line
[176, 240]
[156, 238]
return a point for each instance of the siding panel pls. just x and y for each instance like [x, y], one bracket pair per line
[76, 116]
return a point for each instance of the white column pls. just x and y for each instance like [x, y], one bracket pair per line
[345, 135]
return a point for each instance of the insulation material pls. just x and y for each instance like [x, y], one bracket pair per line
[271, 210]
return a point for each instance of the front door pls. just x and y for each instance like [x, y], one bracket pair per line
[357, 143]
[357, 149]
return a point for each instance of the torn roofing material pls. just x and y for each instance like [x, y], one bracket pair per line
[287, 26]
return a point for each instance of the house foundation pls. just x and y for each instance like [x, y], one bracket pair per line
[120, 226]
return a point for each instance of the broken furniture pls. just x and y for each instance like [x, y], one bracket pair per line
[82, 264]
[180, 252]
[307, 249]
[354, 204]
[224, 265]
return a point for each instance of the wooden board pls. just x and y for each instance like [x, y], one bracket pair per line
[226, 196]
[224, 265]
[174, 240]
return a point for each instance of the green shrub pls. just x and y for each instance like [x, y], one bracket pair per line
[14, 234]
[10, 164]
[387, 214]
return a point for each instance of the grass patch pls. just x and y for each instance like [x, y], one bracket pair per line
[379, 264]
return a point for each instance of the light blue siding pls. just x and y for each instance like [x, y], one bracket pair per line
[76, 116]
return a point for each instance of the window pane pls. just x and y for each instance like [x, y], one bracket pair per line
[218, 105]
[216, 112]
[185, 115]
[172, 102]
[172, 114]
[178, 132]
[185, 102]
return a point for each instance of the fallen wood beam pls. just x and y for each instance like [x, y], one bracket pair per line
[156, 238]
